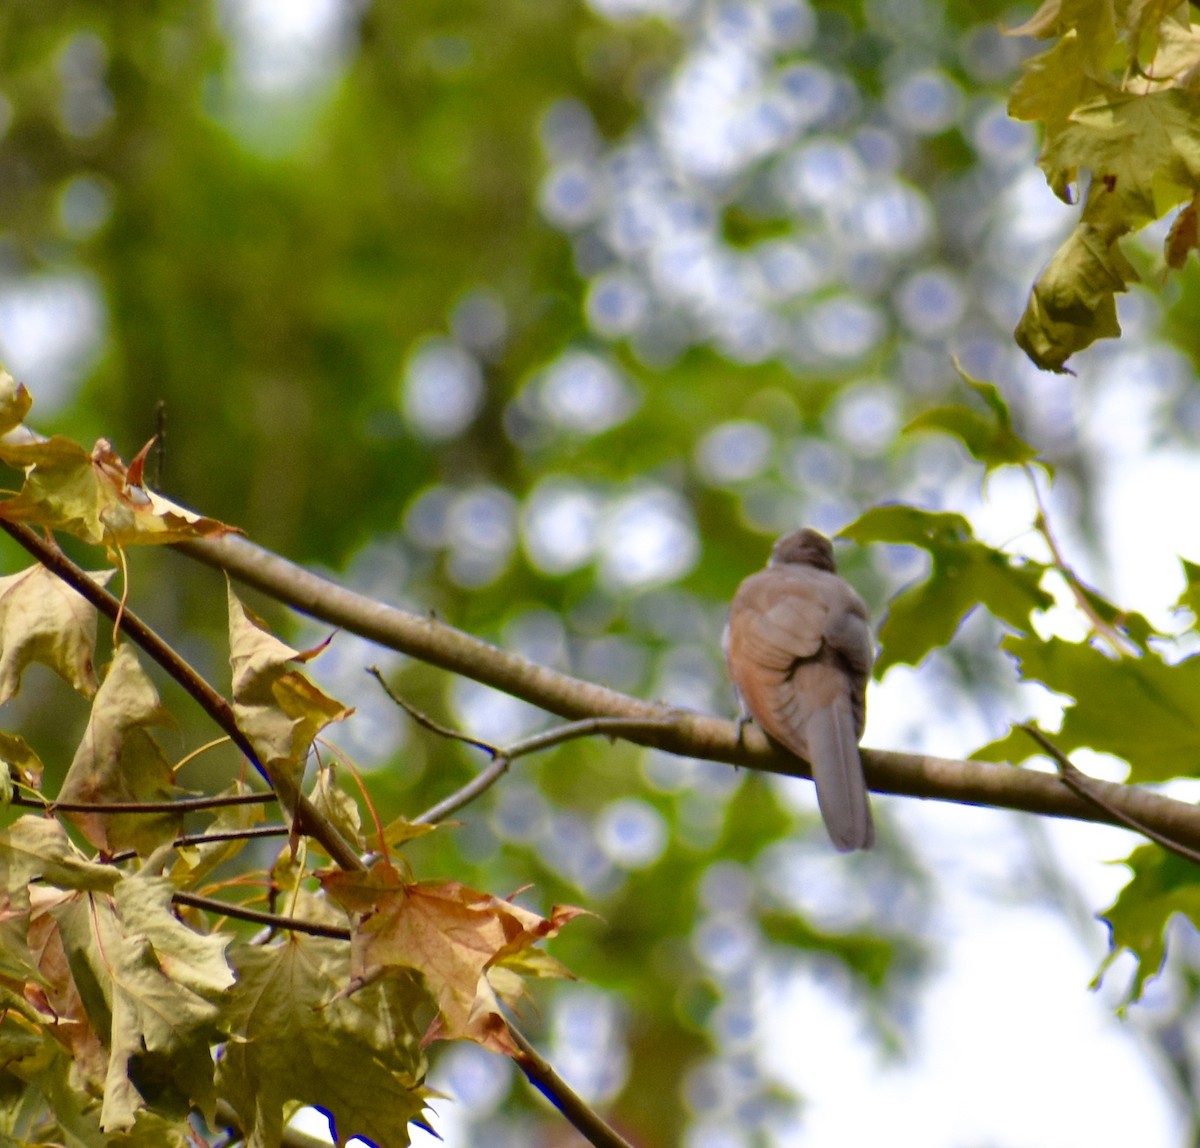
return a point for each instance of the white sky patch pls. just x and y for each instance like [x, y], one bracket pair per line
[51, 326]
[284, 49]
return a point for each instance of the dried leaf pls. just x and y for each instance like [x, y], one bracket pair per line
[154, 988]
[119, 761]
[276, 706]
[337, 807]
[15, 402]
[452, 936]
[43, 620]
[92, 496]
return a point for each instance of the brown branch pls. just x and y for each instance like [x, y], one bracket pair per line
[252, 833]
[182, 805]
[681, 731]
[584, 1119]
[502, 757]
[478, 785]
[307, 818]
[260, 917]
[1079, 782]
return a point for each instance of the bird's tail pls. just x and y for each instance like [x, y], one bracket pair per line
[837, 771]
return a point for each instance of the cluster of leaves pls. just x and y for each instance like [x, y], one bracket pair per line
[1126, 696]
[124, 1009]
[1118, 96]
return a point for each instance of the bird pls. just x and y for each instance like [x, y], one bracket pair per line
[799, 650]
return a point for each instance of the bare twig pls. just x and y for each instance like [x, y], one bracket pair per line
[260, 917]
[585, 1120]
[181, 805]
[423, 719]
[1118, 641]
[502, 757]
[307, 817]
[681, 731]
[250, 834]
[1079, 782]
[479, 784]
[588, 727]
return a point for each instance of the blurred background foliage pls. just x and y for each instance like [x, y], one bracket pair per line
[548, 316]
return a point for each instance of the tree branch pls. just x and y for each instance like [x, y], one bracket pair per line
[681, 731]
[307, 818]
[582, 1118]
[1079, 782]
[179, 805]
[260, 916]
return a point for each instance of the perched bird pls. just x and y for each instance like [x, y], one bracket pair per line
[799, 651]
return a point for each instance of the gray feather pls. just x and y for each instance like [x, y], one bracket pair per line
[837, 771]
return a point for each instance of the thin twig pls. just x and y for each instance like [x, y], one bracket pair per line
[480, 783]
[502, 758]
[307, 817]
[182, 805]
[260, 917]
[585, 1120]
[1119, 642]
[1079, 782]
[588, 727]
[188, 839]
[423, 719]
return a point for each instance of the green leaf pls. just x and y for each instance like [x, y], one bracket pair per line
[868, 955]
[965, 573]
[1162, 885]
[1142, 150]
[276, 706]
[38, 847]
[1142, 710]
[43, 620]
[119, 761]
[1190, 598]
[987, 434]
[1073, 303]
[154, 989]
[295, 1038]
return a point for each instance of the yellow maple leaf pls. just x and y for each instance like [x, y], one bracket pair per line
[95, 496]
[119, 761]
[275, 705]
